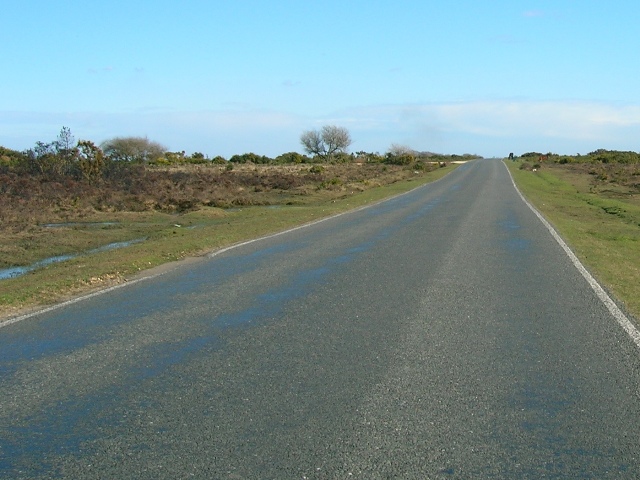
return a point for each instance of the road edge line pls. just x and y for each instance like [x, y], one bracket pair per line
[604, 297]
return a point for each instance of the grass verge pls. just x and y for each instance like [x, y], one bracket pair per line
[169, 237]
[602, 228]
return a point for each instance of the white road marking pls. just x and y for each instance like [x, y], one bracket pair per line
[618, 314]
[76, 300]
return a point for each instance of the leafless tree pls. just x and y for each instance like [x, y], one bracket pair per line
[397, 150]
[132, 149]
[326, 142]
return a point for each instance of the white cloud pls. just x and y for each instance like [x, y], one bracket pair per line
[485, 127]
[573, 120]
[449, 127]
[505, 118]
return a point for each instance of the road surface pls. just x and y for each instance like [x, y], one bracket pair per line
[441, 334]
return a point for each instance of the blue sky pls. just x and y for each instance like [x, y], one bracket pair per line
[225, 77]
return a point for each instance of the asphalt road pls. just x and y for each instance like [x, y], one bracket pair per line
[441, 334]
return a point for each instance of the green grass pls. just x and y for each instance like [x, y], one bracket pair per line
[603, 232]
[169, 238]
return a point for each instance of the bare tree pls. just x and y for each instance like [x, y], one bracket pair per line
[397, 150]
[312, 142]
[326, 142]
[132, 149]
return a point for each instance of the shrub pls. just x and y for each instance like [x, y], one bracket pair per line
[250, 158]
[526, 166]
[291, 157]
[403, 159]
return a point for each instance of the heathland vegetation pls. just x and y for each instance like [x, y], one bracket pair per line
[74, 200]
[62, 199]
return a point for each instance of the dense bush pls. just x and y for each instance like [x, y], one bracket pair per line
[10, 158]
[399, 159]
[600, 156]
[291, 157]
[607, 156]
[250, 158]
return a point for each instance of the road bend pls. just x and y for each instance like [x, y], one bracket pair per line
[441, 334]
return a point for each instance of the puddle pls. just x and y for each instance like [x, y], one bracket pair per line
[116, 245]
[13, 272]
[79, 224]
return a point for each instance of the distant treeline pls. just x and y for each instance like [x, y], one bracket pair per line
[84, 160]
[597, 156]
